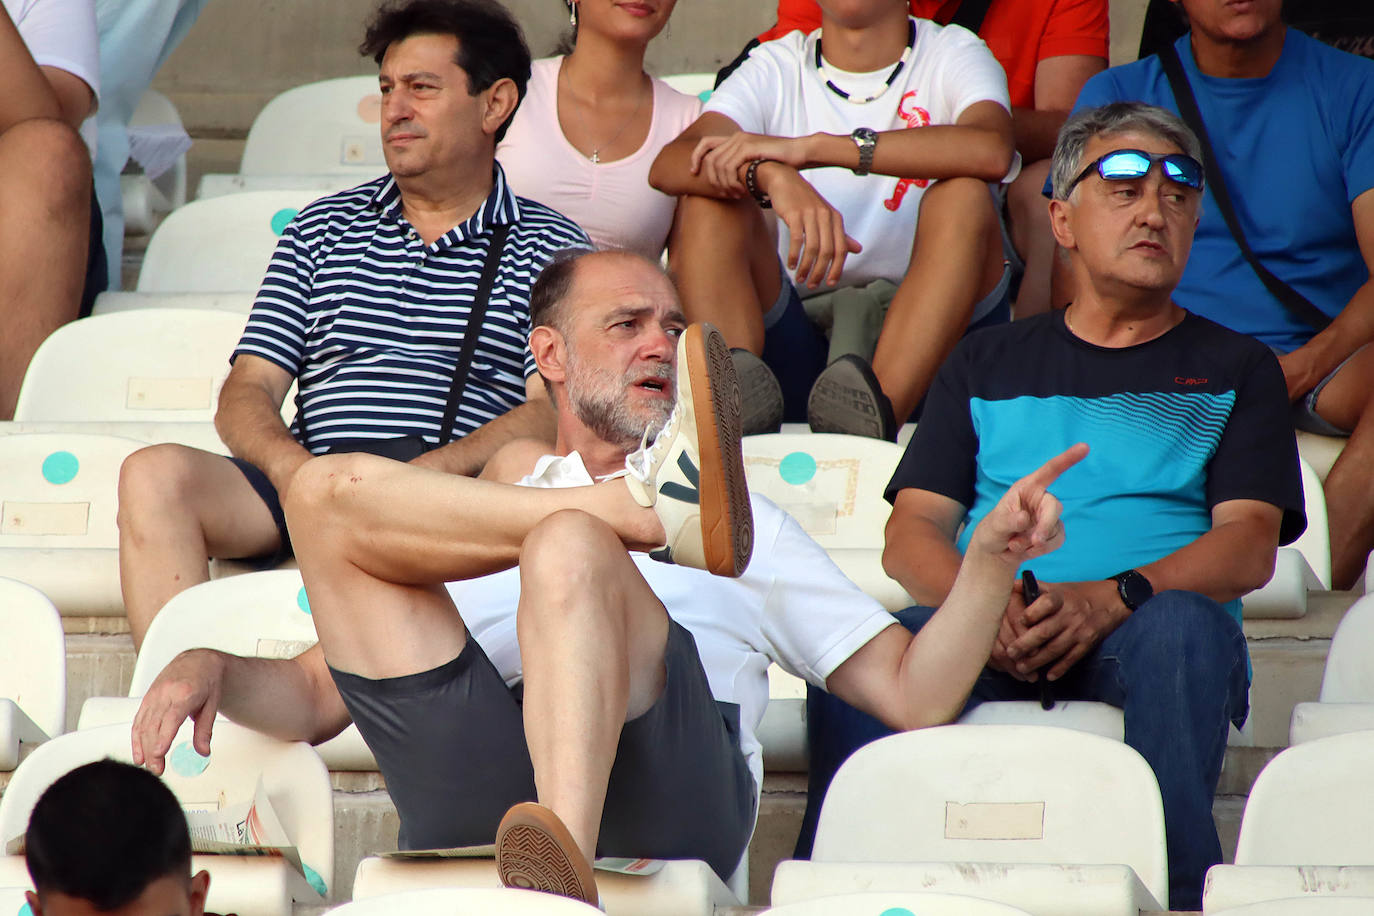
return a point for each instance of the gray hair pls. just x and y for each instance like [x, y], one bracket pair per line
[1116, 118]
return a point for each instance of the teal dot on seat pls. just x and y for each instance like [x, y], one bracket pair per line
[313, 878]
[705, 94]
[797, 468]
[186, 762]
[60, 468]
[303, 600]
[25, 910]
[281, 218]
[897, 911]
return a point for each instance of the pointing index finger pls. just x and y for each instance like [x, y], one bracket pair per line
[1048, 472]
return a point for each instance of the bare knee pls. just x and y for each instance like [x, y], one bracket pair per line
[155, 484]
[570, 553]
[319, 491]
[959, 204]
[49, 164]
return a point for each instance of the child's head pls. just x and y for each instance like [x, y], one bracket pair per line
[109, 838]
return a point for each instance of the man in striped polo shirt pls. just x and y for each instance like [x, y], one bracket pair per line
[366, 307]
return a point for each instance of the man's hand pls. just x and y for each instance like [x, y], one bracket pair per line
[1299, 372]
[1025, 522]
[1069, 619]
[1013, 626]
[189, 686]
[721, 159]
[817, 242]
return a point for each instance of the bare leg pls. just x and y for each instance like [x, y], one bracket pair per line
[45, 183]
[956, 261]
[592, 637]
[726, 266]
[1028, 219]
[178, 507]
[375, 538]
[1347, 402]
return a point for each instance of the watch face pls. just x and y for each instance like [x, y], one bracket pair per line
[866, 134]
[1135, 588]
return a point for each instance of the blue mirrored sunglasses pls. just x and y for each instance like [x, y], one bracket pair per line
[1128, 164]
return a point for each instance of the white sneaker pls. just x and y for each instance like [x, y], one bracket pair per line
[693, 474]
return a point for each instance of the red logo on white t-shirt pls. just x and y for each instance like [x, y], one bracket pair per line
[914, 116]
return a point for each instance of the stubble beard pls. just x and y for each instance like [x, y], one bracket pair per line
[599, 398]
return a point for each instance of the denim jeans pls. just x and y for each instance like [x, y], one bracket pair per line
[1176, 668]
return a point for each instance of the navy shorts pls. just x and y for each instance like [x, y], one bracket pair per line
[268, 494]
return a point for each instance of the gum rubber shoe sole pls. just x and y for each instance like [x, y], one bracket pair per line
[535, 851]
[727, 520]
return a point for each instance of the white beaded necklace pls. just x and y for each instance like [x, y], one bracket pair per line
[891, 77]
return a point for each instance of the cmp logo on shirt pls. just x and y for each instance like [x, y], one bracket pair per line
[1189, 382]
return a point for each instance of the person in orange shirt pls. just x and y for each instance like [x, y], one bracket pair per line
[1049, 49]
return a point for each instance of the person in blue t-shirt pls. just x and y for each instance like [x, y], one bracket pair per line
[1292, 123]
[1191, 484]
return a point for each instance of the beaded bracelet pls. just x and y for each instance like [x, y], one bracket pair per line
[751, 182]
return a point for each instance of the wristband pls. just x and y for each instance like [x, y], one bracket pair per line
[751, 182]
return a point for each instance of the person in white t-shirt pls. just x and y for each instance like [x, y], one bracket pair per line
[592, 122]
[850, 134]
[48, 71]
[620, 688]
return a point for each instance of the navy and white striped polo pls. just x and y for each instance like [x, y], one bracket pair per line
[370, 320]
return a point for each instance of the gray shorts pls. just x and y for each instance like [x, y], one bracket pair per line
[1305, 415]
[451, 744]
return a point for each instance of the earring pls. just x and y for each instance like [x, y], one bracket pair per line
[572, 16]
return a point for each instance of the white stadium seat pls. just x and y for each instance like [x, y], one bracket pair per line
[469, 901]
[57, 517]
[294, 778]
[257, 614]
[1305, 831]
[897, 904]
[117, 301]
[322, 137]
[700, 85]
[1074, 826]
[149, 365]
[146, 199]
[33, 671]
[1305, 906]
[1303, 566]
[221, 245]
[1346, 702]
[683, 887]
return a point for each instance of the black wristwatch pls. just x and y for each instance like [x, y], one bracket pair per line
[1133, 588]
[866, 139]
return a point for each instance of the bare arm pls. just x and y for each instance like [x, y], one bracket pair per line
[672, 171]
[1057, 82]
[919, 549]
[249, 419]
[1234, 557]
[977, 145]
[291, 699]
[28, 94]
[535, 419]
[75, 99]
[1352, 328]
[911, 681]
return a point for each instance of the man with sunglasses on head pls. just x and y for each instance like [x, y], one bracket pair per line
[1191, 484]
[1291, 125]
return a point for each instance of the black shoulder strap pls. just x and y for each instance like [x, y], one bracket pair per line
[971, 14]
[1291, 299]
[476, 316]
